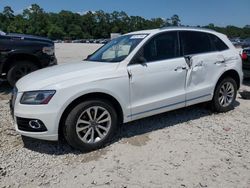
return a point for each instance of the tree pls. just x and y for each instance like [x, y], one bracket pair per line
[37, 20]
[66, 24]
[55, 32]
[155, 23]
[8, 12]
[175, 20]
[6, 18]
[75, 31]
[168, 22]
[32, 11]
[18, 25]
[211, 26]
[102, 25]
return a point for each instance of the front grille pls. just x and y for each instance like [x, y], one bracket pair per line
[23, 125]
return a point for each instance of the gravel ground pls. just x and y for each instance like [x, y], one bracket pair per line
[189, 147]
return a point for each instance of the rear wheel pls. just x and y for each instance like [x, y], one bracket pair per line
[224, 96]
[20, 69]
[90, 125]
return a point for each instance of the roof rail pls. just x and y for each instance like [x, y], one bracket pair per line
[185, 27]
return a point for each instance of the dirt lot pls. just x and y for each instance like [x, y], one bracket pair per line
[185, 148]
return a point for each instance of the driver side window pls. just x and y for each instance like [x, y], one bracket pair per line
[161, 47]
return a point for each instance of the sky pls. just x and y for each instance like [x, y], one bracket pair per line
[191, 12]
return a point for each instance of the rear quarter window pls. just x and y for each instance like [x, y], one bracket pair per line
[217, 43]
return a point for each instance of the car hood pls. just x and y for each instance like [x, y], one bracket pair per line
[56, 76]
[28, 37]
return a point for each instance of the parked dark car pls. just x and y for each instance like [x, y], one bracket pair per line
[21, 54]
[246, 62]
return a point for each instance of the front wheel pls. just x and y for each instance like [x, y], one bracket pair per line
[224, 96]
[90, 125]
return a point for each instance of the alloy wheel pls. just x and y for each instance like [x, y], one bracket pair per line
[93, 124]
[226, 94]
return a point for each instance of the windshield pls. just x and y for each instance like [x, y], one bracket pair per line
[117, 49]
[2, 33]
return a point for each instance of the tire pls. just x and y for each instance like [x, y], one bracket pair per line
[217, 102]
[77, 138]
[18, 70]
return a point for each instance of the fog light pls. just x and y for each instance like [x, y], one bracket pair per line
[30, 125]
[35, 124]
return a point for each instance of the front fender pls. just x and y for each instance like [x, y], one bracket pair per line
[117, 88]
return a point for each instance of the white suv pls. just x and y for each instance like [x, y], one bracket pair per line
[137, 75]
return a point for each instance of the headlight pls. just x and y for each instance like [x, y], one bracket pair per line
[49, 50]
[37, 97]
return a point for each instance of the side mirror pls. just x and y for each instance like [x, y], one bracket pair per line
[141, 60]
[88, 56]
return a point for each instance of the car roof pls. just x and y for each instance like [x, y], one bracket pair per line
[154, 31]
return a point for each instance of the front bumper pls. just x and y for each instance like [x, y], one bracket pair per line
[47, 61]
[53, 62]
[43, 113]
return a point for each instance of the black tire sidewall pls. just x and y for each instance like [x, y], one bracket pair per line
[70, 125]
[216, 105]
[15, 67]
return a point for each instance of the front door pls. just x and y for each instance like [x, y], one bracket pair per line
[158, 84]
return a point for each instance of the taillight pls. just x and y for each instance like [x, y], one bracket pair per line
[244, 56]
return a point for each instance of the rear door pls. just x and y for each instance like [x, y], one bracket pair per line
[206, 62]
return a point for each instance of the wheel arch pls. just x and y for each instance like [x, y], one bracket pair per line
[12, 59]
[232, 74]
[89, 96]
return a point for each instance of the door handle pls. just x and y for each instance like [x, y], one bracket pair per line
[180, 68]
[200, 64]
[220, 62]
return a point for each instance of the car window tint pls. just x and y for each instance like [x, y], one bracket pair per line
[195, 42]
[162, 46]
[219, 45]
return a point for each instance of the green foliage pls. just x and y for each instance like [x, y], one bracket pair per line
[55, 32]
[231, 31]
[8, 12]
[68, 25]
[175, 20]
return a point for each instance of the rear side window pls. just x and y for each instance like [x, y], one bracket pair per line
[161, 47]
[217, 43]
[193, 42]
